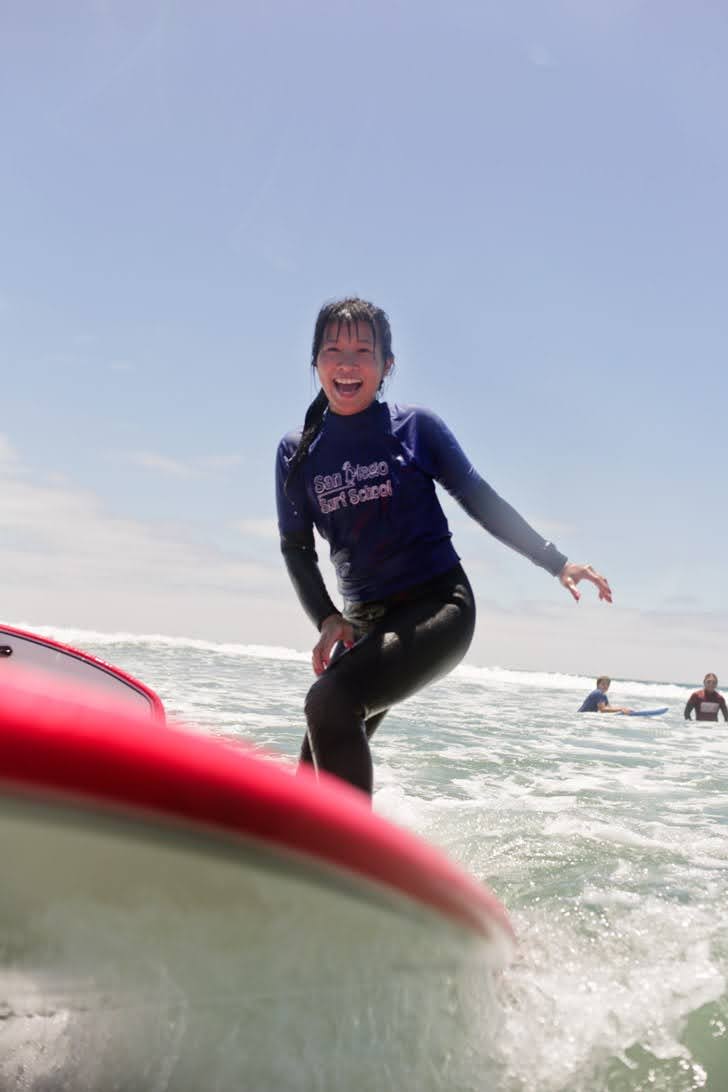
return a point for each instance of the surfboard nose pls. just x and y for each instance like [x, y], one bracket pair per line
[177, 912]
[65, 665]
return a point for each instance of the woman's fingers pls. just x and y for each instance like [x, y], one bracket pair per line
[321, 655]
[605, 592]
[333, 630]
[572, 573]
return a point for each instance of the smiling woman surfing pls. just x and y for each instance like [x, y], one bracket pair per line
[363, 473]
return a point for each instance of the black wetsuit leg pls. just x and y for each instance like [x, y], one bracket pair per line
[422, 635]
[370, 727]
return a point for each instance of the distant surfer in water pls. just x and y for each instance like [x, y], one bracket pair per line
[598, 702]
[707, 702]
[363, 474]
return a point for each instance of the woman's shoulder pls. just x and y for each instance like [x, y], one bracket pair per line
[419, 420]
[287, 448]
[290, 441]
[406, 413]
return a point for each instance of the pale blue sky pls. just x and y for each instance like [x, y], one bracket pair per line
[536, 193]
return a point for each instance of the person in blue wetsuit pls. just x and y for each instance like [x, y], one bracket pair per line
[363, 474]
[598, 702]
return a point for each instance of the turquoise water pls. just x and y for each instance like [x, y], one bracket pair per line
[605, 837]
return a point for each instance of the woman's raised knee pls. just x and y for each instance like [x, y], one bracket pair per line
[327, 698]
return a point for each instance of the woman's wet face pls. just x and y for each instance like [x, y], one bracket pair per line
[350, 365]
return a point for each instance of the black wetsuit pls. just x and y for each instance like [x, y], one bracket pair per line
[368, 485]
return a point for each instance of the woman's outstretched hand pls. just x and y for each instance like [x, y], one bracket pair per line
[333, 629]
[572, 573]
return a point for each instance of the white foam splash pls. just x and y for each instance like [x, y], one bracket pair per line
[79, 638]
[495, 677]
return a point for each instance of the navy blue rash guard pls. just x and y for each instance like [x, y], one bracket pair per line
[368, 486]
[592, 702]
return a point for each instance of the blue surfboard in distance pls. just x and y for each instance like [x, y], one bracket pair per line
[648, 712]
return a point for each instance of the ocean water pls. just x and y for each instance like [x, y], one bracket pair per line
[606, 838]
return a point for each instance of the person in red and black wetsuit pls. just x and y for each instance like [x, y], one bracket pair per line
[706, 702]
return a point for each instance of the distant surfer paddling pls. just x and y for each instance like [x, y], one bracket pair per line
[598, 702]
[363, 474]
[706, 702]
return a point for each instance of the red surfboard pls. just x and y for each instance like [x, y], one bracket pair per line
[178, 913]
[58, 661]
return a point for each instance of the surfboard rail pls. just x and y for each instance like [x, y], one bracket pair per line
[51, 656]
[67, 746]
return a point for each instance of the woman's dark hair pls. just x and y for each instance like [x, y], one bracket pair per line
[337, 311]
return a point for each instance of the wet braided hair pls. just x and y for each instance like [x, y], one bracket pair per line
[337, 311]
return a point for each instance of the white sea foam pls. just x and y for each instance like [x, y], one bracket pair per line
[81, 638]
[499, 677]
[490, 677]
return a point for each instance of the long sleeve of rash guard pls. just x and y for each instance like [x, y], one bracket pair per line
[299, 554]
[497, 516]
[452, 468]
[296, 535]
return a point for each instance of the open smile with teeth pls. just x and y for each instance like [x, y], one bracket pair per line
[347, 387]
